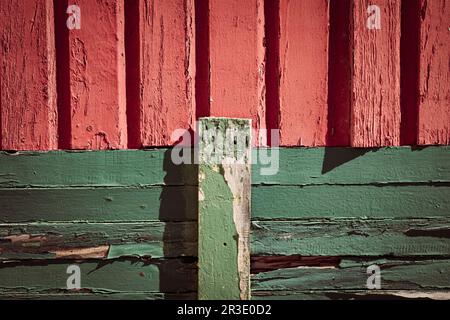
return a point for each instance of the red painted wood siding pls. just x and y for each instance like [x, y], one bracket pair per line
[139, 69]
[434, 73]
[28, 76]
[375, 85]
[160, 70]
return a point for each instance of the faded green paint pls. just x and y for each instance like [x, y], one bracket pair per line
[337, 202]
[352, 295]
[224, 204]
[174, 203]
[218, 276]
[352, 275]
[39, 277]
[335, 165]
[326, 201]
[93, 168]
[352, 237]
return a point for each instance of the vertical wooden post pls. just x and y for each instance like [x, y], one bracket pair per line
[224, 208]
[434, 73]
[28, 115]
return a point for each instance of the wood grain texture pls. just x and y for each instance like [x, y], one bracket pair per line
[224, 210]
[106, 168]
[434, 73]
[352, 237]
[323, 201]
[174, 203]
[99, 277]
[237, 62]
[352, 295]
[28, 112]
[351, 166]
[161, 70]
[95, 295]
[351, 275]
[97, 76]
[297, 166]
[375, 115]
[77, 240]
[303, 72]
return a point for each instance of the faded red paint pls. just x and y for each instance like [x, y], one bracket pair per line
[97, 76]
[375, 115]
[28, 110]
[434, 73]
[316, 73]
[236, 61]
[303, 71]
[161, 70]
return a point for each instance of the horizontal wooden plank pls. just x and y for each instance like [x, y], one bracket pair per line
[352, 275]
[99, 240]
[352, 295]
[171, 203]
[352, 237]
[298, 166]
[304, 166]
[115, 276]
[96, 295]
[93, 168]
[391, 201]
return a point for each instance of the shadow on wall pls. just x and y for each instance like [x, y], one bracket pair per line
[178, 209]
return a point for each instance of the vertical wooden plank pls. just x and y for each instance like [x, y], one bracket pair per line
[375, 115]
[236, 61]
[28, 110]
[224, 208]
[161, 83]
[303, 51]
[434, 78]
[97, 76]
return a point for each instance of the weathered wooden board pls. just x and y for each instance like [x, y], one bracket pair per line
[352, 237]
[160, 51]
[311, 166]
[96, 295]
[352, 275]
[352, 295]
[28, 111]
[375, 105]
[297, 166]
[173, 203]
[324, 201]
[235, 66]
[434, 73]
[96, 82]
[303, 72]
[224, 209]
[75, 240]
[98, 277]
[94, 169]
